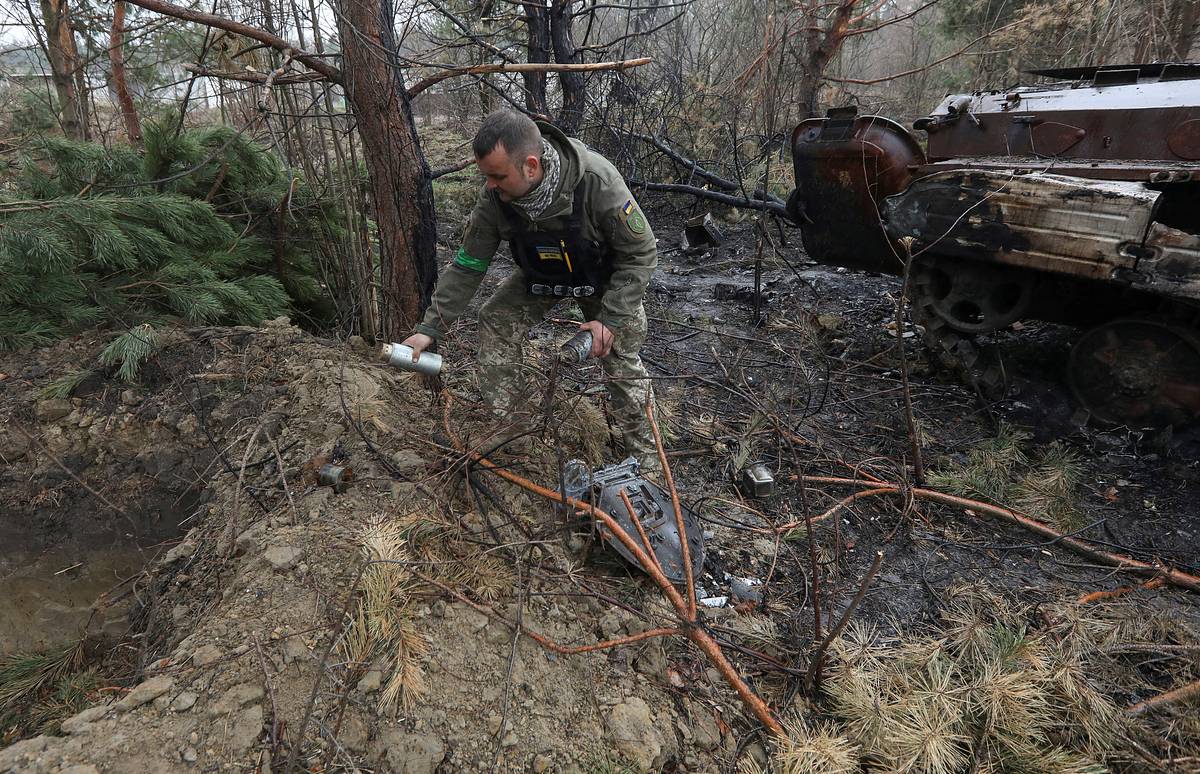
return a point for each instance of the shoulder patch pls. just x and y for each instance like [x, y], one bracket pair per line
[632, 217]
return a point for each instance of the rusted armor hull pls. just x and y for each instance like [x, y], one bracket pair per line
[1075, 202]
[1092, 229]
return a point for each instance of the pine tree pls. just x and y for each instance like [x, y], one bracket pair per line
[187, 229]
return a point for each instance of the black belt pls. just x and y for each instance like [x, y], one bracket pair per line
[565, 291]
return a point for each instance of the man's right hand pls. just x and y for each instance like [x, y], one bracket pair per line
[419, 343]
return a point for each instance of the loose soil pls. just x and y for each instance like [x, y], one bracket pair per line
[233, 653]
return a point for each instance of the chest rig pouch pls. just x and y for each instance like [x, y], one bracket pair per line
[559, 263]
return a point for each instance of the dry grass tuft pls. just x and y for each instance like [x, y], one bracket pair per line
[808, 749]
[368, 411]
[998, 470]
[985, 688]
[585, 428]
[383, 626]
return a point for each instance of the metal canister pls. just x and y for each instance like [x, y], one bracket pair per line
[578, 348]
[335, 476]
[401, 356]
[757, 480]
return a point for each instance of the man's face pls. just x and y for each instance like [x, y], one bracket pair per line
[511, 178]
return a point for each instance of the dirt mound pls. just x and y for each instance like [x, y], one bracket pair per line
[255, 608]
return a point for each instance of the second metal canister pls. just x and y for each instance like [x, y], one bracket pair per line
[578, 348]
[401, 356]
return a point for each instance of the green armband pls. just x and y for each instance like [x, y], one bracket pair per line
[467, 262]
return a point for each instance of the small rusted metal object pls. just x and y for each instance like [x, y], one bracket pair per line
[757, 480]
[1074, 202]
[335, 476]
[701, 233]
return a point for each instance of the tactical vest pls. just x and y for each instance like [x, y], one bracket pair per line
[559, 263]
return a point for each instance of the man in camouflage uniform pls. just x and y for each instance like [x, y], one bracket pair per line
[575, 231]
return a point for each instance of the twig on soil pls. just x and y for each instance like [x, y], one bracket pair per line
[1096, 596]
[351, 595]
[71, 473]
[508, 672]
[231, 529]
[814, 669]
[283, 478]
[545, 642]
[276, 723]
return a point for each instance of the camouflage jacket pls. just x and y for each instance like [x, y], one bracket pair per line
[613, 219]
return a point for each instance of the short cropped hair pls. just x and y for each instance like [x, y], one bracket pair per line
[515, 131]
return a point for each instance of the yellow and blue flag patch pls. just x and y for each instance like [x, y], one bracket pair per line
[633, 218]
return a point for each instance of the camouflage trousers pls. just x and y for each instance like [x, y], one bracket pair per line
[505, 383]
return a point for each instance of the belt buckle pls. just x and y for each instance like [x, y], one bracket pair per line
[562, 290]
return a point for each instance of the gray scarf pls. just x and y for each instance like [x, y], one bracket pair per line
[536, 201]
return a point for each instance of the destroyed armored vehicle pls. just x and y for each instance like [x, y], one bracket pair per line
[1075, 202]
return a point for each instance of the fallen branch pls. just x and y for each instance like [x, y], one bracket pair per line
[1189, 692]
[723, 183]
[685, 548]
[690, 624]
[521, 67]
[1116, 561]
[1096, 596]
[772, 205]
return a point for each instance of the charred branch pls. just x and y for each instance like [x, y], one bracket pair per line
[452, 72]
[565, 53]
[723, 183]
[761, 201]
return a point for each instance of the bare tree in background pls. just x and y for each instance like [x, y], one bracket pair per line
[65, 68]
[116, 55]
[538, 46]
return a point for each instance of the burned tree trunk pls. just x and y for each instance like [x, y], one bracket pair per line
[116, 43]
[399, 174]
[573, 85]
[537, 24]
[64, 67]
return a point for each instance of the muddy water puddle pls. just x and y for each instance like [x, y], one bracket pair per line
[49, 591]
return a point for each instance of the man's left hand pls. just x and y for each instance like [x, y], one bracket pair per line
[602, 337]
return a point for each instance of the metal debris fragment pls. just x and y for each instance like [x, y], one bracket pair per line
[653, 507]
